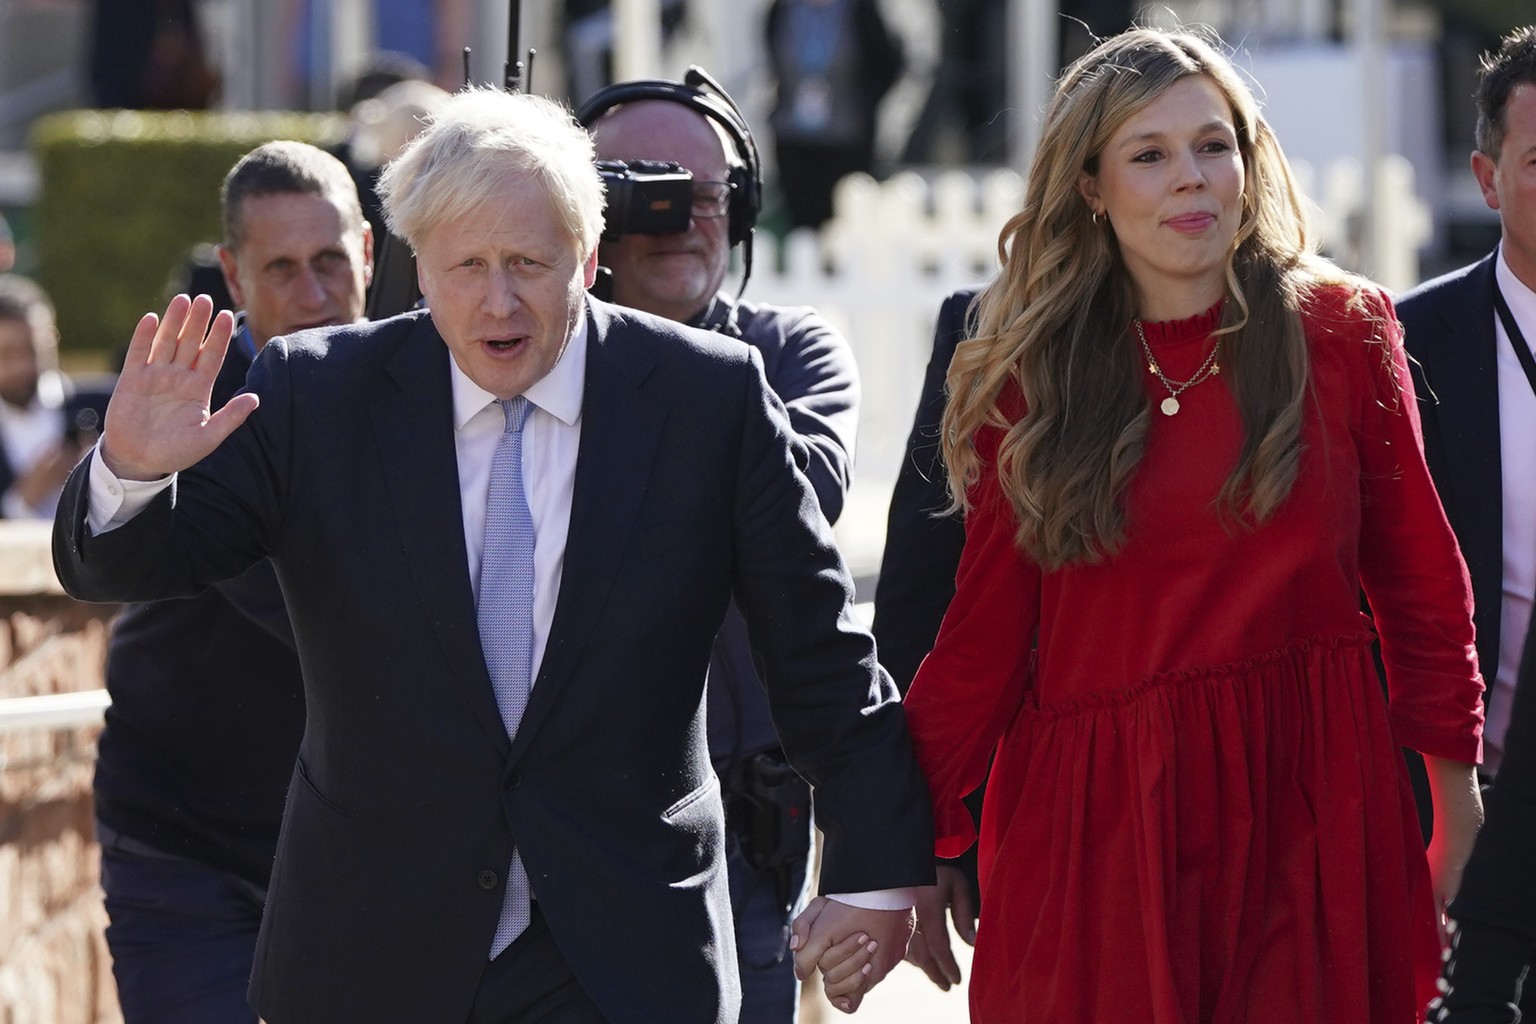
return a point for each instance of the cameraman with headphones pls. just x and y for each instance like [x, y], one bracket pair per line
[684, 188]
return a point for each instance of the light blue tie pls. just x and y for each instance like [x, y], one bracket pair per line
[505, 616]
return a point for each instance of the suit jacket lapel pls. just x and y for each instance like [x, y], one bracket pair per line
[414, 426]
[1465, 375]
[620, 433]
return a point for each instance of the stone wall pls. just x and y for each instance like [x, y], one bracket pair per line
[54, 966]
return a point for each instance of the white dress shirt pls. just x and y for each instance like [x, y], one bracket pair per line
[1517, 425]
[551, 441]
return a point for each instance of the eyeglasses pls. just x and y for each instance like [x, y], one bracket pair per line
[711, 198]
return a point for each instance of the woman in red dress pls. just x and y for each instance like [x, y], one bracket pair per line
[1184, 444]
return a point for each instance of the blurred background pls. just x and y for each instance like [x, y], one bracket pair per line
[1340, 77]
[119, 118]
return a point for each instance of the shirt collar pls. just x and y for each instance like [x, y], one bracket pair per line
[558, 392]
[1520, 298]
[243, 339]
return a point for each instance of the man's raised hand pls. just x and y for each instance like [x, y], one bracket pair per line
[158, 420]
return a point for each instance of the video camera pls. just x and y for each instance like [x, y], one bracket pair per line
[645, 197]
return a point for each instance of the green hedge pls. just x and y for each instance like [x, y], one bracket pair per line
[124, 197]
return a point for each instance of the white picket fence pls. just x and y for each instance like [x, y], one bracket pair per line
[879, 270]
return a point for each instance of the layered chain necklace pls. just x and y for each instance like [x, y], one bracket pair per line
[1209, 368]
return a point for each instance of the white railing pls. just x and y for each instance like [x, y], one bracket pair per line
[53, 711]
[880, 268]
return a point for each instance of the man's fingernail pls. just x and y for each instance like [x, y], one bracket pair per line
[794, 941]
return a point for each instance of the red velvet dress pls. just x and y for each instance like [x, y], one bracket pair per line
[1197, 811]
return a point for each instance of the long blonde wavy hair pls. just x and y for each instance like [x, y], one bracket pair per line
[1056, 319]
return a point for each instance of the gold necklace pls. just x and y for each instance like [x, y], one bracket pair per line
[1209, 368]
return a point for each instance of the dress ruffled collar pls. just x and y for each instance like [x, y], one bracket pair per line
[1172, 332]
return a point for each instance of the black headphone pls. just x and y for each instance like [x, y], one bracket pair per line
[698, 91]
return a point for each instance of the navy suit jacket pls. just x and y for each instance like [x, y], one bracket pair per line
[408, 796]
[1448, 330]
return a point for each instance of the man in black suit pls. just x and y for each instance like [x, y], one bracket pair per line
[922, 547]
[458, 845]
[207, 698]
[1477, 381]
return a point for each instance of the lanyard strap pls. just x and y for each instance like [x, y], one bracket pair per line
[1516, 339]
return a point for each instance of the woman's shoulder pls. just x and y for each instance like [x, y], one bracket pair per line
[1348, 310]
[1354, 339]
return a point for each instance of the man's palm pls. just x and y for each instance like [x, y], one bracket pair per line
[158, 420]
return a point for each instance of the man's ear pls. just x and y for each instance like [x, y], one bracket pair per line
[589, 272]
[421, 280]
[367, 254]
[1486, 171]
[230, 264]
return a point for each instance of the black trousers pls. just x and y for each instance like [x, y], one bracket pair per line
[530, 983]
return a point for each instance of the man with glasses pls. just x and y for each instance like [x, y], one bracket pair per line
[811, 368]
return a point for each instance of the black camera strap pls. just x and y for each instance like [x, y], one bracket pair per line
[1516, 338]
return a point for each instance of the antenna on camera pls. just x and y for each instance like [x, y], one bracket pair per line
[513, 69]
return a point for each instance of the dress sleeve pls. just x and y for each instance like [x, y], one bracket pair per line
[1410, 566]
[972, 683]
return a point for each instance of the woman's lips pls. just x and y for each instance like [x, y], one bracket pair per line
[1191, 223]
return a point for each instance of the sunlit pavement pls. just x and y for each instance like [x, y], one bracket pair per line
[905, 997]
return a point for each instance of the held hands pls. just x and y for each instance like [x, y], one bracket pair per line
[158, 420]
[930, 949]
[854, 948]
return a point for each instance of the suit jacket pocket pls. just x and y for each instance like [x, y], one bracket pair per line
[680, 810]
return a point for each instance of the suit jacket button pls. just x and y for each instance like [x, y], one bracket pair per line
[488, 879]
[514, 780]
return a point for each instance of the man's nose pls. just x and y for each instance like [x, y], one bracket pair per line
[501, 295]
[311, 290]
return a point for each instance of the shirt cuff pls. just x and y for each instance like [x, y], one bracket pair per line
[878, 899]
[113, 502]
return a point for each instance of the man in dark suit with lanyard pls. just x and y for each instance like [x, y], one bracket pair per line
[1470, 333]
[507, 529]
[207, 700]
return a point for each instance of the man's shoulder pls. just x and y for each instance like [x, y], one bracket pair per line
[631, 332]
[798, 331]
[1455, 287]
[345, 346]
